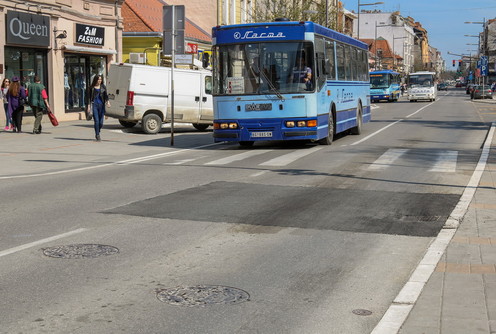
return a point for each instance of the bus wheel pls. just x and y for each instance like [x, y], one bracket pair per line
[248, 143]
[330, 132]
[358, 128]
[200, 127]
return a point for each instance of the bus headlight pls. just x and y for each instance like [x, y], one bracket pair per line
[290, 124]
[224, 126]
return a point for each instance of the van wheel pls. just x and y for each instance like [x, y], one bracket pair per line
[330, 132]
[127, 124]
[200, 127]
[151, 124]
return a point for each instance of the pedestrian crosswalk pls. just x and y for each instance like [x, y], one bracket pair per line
[443, 161]
[439, 161]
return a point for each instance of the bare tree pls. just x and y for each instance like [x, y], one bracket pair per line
[296, 10]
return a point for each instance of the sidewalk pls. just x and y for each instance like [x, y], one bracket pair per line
[460, 295]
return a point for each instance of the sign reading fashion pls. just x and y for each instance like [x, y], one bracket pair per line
[90, 35]
[28, 29]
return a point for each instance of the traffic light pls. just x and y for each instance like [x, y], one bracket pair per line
[205, 59]
[454, 63]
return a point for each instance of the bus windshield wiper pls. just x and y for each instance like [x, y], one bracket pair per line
[271, 85]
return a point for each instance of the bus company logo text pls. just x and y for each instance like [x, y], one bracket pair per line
[254, 35]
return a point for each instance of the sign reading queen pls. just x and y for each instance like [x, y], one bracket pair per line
[27, 29]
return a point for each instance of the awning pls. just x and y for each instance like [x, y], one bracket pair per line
[72, 48]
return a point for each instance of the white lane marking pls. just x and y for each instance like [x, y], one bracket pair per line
[399, 310]
[40, 242]
[387, 159]
[237, 157]
[180, 162]
[389, 125]
[122, 162]
[288, 158]
[445, 162]
[258, 174]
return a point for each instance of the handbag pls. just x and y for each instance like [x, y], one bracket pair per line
[89, 112]
[52, 118]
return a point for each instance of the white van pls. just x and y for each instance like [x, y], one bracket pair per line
[142, 93]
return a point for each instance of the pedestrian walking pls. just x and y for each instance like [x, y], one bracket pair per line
[38, 100]
[16, 97]
[98, 99]
[3, 96]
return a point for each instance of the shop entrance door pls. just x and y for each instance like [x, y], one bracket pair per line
[75, 80]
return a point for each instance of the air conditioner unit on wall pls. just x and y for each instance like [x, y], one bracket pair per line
[137, 58]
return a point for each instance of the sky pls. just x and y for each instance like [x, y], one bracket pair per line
[443, 20]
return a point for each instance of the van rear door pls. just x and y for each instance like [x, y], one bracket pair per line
[117, 87]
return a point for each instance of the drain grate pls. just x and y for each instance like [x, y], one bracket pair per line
[361, 311]
[202, 295]
[79, 251]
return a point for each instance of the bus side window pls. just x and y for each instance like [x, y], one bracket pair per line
[320, 61]
[331, 67]
[354, 63]
[347, 57]
[341, 62]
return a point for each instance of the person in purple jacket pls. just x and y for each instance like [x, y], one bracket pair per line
[15, 96]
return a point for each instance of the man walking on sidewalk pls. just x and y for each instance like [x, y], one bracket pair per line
[38, 100]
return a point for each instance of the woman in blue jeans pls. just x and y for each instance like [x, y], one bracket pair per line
[98, 99]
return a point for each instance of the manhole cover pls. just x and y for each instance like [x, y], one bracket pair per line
[202, 295]
[79, 251]
[361, 311]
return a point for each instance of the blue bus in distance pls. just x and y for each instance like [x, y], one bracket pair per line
[287, 80]
[385, 85]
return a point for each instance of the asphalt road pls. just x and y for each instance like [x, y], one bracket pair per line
[283, 238]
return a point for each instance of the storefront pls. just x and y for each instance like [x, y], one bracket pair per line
[66, 44]
[26, 52]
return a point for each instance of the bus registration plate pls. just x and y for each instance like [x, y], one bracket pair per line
[266, 134]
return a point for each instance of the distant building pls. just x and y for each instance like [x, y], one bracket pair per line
[394, 28]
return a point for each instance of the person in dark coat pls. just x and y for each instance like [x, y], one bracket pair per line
[98, 99]
[16, 95]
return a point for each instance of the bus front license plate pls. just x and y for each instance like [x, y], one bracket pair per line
[267, 134]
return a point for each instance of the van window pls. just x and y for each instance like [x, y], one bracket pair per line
[208, 85]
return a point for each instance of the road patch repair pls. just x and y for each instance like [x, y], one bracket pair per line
[398, 213]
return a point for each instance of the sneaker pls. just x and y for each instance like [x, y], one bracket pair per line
[98, 138]
[6, 128]
[11, 127]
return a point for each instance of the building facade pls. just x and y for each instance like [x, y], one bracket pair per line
[64, 42]
[392, 27]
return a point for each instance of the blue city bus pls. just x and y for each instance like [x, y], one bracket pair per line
[385, 85]
[287, 80]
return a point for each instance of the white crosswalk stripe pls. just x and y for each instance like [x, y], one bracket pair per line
[387, 159]
[445, 162]
[237, 157]
[286, 159]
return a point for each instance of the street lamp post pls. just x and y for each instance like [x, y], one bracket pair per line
[358, 16]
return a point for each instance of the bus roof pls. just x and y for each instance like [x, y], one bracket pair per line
[276, 31]
[384, 72]
[422, 72]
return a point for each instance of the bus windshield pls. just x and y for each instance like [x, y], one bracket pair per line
[421, 80]
[264, 68]
[379, 81]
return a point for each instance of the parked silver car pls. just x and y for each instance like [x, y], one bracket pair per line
[481, 92]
